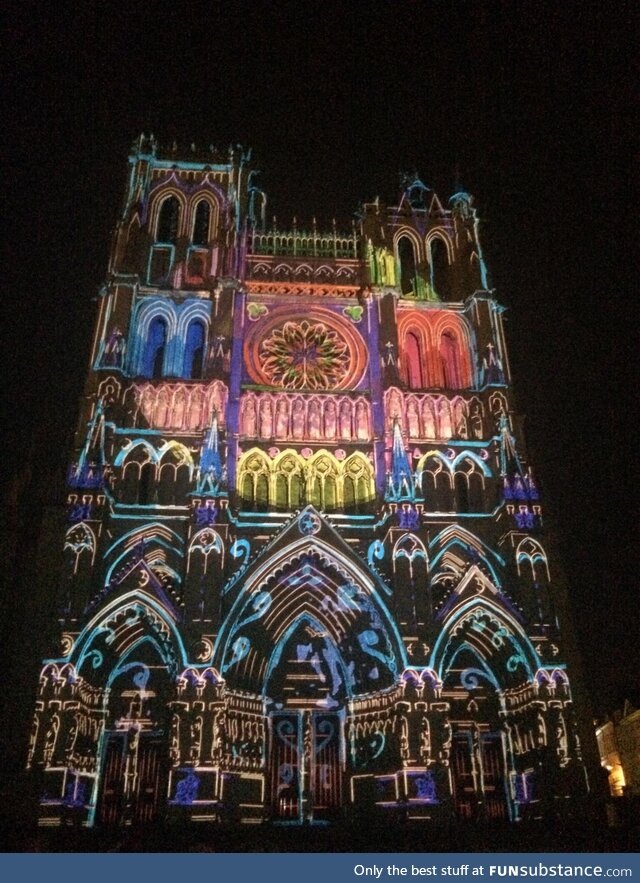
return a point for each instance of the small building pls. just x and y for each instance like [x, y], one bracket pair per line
[619, 746]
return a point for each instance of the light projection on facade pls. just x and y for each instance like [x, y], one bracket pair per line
[305, 555]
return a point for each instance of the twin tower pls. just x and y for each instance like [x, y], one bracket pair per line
[306, 576]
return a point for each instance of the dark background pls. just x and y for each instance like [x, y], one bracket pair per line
[527, 105]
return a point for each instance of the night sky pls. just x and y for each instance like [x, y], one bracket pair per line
[527, 105]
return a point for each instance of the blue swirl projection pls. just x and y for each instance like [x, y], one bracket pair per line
[376, 550]
[287, 733]
[331, 656]
[346, 597]
[241, 549]
[368, 641]
[260, 604]
[497, 639]
[325, 731]
[515, 661]
[377, 743]
[240, 649]
[469, 678]
[141, 679]
[96, 658]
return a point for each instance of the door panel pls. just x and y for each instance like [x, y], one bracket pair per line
[478, 775]
[133, 779]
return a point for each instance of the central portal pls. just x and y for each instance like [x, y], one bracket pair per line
[306, 765]
[306, 727]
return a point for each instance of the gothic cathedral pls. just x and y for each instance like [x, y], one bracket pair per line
[305, 564]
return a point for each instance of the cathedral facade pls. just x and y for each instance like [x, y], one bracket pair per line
[306, 575]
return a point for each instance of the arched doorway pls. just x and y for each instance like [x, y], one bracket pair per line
[308, 633]
[134, 755]
[307, 691]
[484, 662]
[478, 764]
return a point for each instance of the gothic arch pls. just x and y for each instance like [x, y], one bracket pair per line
[309, 579]
[529, 551]
[200, 236]
[472, 549]
[118, 628]
[287, 481]
[493, 636]
[205, 542]
[411, 548]
[407, 262]
[169, 218]
[80, 540]
[158, 199]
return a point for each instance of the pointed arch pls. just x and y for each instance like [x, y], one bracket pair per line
[408, 255]
[440, 257]
[309, 576]
[171, 201]
[288, 480]
[169, 212]
[358, 483]
[414, 361]
[324, 481]
[194, 350]
[471, 548]
[118, 627]
[530, 552]
[206, 542]
[203, 211]
[494, 636]
[410, 547]
[155, 348]
[253, 478]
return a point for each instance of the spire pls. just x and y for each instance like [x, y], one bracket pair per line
[517, 484]
[400, 479]
[211, 474]
[88, 472]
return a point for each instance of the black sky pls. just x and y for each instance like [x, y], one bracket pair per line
[527, 105]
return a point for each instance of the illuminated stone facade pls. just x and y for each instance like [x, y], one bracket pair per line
[306, 574]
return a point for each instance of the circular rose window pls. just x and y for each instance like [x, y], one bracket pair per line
[320, 351]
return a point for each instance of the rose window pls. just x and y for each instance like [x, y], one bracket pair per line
[305, 355]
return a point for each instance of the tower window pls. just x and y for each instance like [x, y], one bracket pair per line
[413, 361]
[193, 362]
[439, 268]
[168, 220]
[201, 223]
[407, 261]
[450, 361]
[153, 365]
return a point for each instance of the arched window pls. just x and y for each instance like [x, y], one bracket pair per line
[168, 219]
[253, 482]
[193, 361]
[174, 477]
[357, 487]
[201, 224]
[450, 360]
[407, 261]
[138, 477]
[413, 361]
[469, 486]
[153, 365]
[436, 485]
[439, 268]
[288, 483]
[322, 492]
